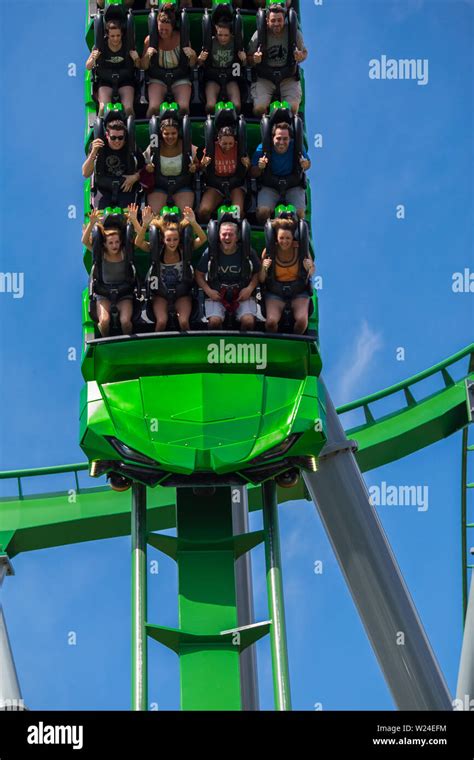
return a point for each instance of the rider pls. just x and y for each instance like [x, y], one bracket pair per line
[114, 274]
[226, 168]
[280, 164]
[170, 278]
[218, 64]
[228, 275]
[115, 60]
[276, 59]
[167, 62]
[112, 162]
[286, 272]
[173, 164]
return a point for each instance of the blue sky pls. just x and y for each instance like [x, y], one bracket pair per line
[386, 284]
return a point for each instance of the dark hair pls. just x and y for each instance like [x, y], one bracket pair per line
[117, 125]
[224, 24]
[169, 123]
[226, 132]
[167, 14]
[282, 125]
[276, 9]
[112, 25]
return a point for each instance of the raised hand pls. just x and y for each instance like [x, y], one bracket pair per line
[95, 216]
[189, 214]
[147, 215]
[97, 144]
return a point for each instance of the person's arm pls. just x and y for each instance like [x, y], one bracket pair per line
[92, 60]
[208, 292]
[147, 217]
[191, 55]
[88, 165]
[308, 264]
[301, 52]
[201, 280]
[148, 53]
[190, 217]
[246, 293]
[94, 217]
[266, 264]
[135, 58]
[130, 179]
[259, 162]
[254, 54]
[194, 165]
[202, 57]
[205, 161]
[305, 163]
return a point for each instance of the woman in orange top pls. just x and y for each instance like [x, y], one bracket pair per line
[286, 278]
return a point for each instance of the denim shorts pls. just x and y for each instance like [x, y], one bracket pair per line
[274, 297]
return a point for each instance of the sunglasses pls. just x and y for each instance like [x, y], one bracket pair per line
[116, 138]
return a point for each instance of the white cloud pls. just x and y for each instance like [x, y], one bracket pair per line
[355, 366]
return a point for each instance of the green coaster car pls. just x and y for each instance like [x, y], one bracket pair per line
[203, 408]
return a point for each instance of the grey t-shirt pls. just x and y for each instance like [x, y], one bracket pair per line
[222, 55]
[114, 272]
[277, 47]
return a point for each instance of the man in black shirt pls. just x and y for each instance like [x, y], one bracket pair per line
[116, 172]
[229, 281]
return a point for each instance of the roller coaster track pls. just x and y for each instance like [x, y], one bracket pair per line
[84, 514]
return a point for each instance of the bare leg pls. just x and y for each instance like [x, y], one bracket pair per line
[209, 202]
[156, 96]
[215, 323]
[183, 309]
[237, 198]
[212, 93]
[125, 308]
[300, 308]
[103, 317]
[156, 199]
[247, 322]
[104, 96]
[127, 93]
[160, 310]
[233, 92]
[183, 199]
[274, 311]
[182, 94]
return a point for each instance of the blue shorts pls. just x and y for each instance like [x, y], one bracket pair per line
[274, 297]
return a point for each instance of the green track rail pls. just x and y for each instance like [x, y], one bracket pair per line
[85, 514]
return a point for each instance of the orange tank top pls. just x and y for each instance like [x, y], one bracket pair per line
[287, 271]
